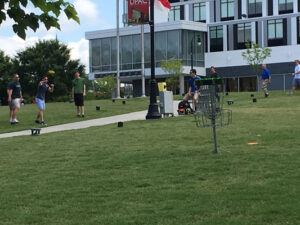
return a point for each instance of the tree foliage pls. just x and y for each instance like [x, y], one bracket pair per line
[5, 75]
[255, 56]
[106, 85]
[50, 11]
[34, 62]
[174, 68]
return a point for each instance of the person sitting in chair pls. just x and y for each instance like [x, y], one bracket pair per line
[193, 91]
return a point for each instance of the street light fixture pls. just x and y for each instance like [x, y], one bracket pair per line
[199, 43]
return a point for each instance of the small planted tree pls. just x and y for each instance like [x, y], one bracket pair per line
[255, 56]
[174, 68]
[106, 85]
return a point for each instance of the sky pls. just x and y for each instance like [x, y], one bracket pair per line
[93, 14]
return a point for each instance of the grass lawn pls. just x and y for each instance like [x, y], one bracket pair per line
[160, 172]
[60, 113]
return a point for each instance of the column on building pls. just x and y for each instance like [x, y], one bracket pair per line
[207, 9]
[253, 32]
[275, 7]
[244, 8]
[225, 38]
[293, 30]
[187, 16]
[295, 6]
[218, 11]
[264, 8]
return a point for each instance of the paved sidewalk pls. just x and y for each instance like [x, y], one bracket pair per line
[141, 115]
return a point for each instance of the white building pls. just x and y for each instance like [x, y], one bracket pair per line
[222, 27]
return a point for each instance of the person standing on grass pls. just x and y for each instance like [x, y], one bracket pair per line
[43, 87]
[78, 93]
[213, 73]
[296, 74]
[266, 79]
[14, 93]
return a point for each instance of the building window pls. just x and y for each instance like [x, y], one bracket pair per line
[243, 35]
[298, 30]
[200, 12]
[174, 14]
[254, 8]
[285, 6]
[275, 32]
[270, 7]
[227, 10]
[216, 38]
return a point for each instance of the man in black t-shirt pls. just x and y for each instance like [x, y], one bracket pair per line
[14, 93]
[213, 73]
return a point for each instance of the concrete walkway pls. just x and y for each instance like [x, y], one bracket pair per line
[141, 115]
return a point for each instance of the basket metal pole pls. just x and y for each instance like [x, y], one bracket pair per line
[213, 112]
[215, 135]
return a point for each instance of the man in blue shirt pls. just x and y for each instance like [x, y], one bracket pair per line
[266, 78]
[43, 87]
[193, 91]
[296, 74]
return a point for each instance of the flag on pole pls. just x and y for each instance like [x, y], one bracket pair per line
[162, 8]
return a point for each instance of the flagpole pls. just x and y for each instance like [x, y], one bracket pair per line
[118, 51]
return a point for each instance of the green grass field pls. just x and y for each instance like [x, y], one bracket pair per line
[160, 172]
[60, 113]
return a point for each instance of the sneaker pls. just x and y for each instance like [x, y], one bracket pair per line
[16, 121]
[78, 116]
[37, 121]
[266, 95]
[43, 123]
[82, 116]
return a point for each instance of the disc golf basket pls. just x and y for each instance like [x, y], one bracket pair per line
[210, 112]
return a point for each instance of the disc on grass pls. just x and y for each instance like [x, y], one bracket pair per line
[253, 143]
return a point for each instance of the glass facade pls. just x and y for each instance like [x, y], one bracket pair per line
[174, 13]
[216, 38]
[227, 9]
[200, 12]
[254, 8]
[168, 44]
[285, 6]
[243, 35]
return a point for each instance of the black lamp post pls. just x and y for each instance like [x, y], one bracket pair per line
[192, 47]
[153, 112]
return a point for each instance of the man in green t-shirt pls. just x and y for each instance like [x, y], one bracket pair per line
[78, 92]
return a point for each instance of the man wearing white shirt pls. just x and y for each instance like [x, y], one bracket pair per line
[296, 74]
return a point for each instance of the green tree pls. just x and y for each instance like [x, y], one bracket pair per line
[174, 68]
[34, 62]
[106, 85]
[5, 75]
[255, 56]
[50, 11]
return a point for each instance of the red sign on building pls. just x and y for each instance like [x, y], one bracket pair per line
[138, 11]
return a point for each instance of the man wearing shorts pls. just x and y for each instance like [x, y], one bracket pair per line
[193, 89]
[296, 74]
[266, 79]
[14, 93]
[78, 93]
[43, 87]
